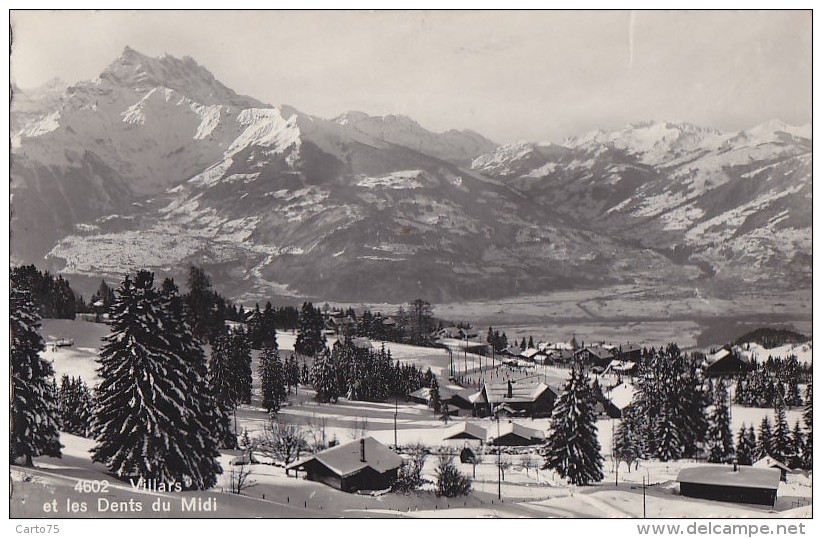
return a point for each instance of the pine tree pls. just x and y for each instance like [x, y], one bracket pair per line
[240, 360]
[745, 447]
[152, 412]
[781, 443]
[310, 337]
[764, 445]
[198, 433]
[74, 403]
[450, 481]
[324, 379]
[626, 447]
[272, 379]
[33, 414]
[807, 418]
[720, 439]
[573, 449]
[222, 385]
[434, 401]
[797, 447]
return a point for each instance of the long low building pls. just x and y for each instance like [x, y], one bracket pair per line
[517, 398]
[363, 465]
[737, 483]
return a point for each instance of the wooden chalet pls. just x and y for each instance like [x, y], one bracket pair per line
[725, 363]
[363, 465]
[513, 434]
[595, 356]
[524, 397]
[466, 430]
[737, 483]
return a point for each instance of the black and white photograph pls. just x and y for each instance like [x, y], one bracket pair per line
[343, 264]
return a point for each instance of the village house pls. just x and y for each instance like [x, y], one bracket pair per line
[596, 355]
[513, 434]
[725, 363]
[737, 483]
[362, 465]
[519, 398]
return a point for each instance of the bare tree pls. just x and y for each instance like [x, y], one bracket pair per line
[528, 462]
[360, 429]
[282, 442]
[316, 429]
[503, 463]
[239, 479]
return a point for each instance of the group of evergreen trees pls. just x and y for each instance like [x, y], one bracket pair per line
[772, 383]
[52, 296]
[667, 417]
[497, 341]
[263, 324]
[75, 406]
[310, 331]
[154, 413]
[791, 446]
[363, 374]
[33, 412]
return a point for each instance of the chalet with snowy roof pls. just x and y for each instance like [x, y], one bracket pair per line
[466, 430]
[629, 352]
[531, 354]
[457, 398]
[514, 434]
[618, 367]
[362, 342]
[558, 356]
[769, 462]
[363, 465]
[595, 355]
[730, 483]
[523, 397]
[725, 363]
[620, 397]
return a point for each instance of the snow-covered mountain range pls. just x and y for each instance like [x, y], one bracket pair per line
[156, 163]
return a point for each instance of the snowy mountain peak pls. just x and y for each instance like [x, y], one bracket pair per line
[771, 129]
[140, 73]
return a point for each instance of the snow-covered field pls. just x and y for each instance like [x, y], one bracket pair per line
[525, 492]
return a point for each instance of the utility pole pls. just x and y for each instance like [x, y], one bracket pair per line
[643, 497]
[499, 463]
[396, 407]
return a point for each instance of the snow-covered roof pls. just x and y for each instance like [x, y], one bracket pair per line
[769, 462]
[621, 395]
[467, 428]
[345, 459]
[719, 355]
[521, 392]
[455, 344]
[724, 475]
[529, 353]
[620, 366]
[513, 428]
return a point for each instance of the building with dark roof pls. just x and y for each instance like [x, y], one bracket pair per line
[526, 398]
[737, 483]
[363, 465]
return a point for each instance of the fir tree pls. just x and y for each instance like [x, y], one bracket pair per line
[720, 439]
[573, 449]
[240, 360]
[781, 443]
[152, 412]
[434, 401]
[74, 403]
[272, 379]
[745, 447]
[223, 387]
[797, 447]
[626, 447]
[33, 414]
[807, 418]
[450, 481]
[310, 337]
[324, 379]
[764, 445]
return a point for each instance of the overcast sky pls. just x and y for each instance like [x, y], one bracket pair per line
[539, 76]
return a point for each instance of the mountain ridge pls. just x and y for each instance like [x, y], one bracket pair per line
[158, 163]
